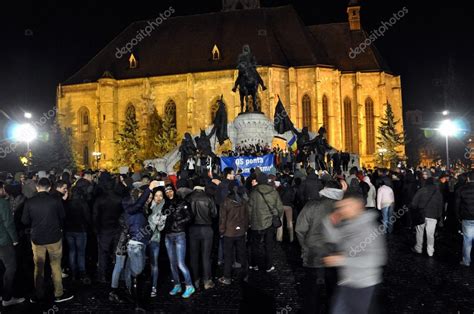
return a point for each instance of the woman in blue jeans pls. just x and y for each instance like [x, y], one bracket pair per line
[178, 217]
[120, 258]
[78, 218]
[156, 221]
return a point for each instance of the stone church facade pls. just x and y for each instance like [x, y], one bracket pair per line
[188, 62]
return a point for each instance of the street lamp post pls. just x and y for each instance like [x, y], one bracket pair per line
[97, 156]
[25, 133]
[447, 152]
[382, 151]
[448, 128]
[28, 116]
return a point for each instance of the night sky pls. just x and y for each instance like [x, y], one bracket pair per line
[45, 42]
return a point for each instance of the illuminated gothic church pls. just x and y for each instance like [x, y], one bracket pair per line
[189, 61]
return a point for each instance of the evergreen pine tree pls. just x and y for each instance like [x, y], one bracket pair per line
[166, 139]
[54, 149]
[155, 127]
[389, 139]
[128, 141]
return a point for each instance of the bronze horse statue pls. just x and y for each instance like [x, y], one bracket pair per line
[248, 80]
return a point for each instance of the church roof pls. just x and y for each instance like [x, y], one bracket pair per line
[338, 40]
[183, 44]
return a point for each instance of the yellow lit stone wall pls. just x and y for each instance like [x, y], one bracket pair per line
[195, 93]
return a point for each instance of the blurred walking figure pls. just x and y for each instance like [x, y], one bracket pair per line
[309, 231]
[361, 256]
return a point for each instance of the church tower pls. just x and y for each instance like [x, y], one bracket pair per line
[353, 12]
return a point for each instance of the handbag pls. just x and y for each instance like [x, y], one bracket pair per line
[276, 221]
[418, 214]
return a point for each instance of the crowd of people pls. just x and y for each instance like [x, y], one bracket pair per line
[118, 222]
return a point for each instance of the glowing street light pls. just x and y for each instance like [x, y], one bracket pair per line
[28, 115]
[448, 128]
[445, 112]
[97, 156]
[25, 133]
[382, 151]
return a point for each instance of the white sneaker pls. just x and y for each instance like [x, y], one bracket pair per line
[13, 301]
[270, 269]
[153, 292]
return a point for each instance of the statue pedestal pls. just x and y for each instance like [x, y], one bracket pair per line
[251, 129]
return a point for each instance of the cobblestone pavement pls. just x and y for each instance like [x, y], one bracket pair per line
[412, 284]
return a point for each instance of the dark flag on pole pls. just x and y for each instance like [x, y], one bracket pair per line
[282, 122]
[220, 122]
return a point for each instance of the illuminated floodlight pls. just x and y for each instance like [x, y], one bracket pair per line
[24, 133]
[448, 128]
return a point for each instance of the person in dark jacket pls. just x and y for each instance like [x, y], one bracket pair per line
[221, 193]
[309, 231]
[120, 189]
[61, 190]
[309, 188]
[264, 203]
[287, 195]
[23, 251]
[156, 221]
[78, 218]
[179, 217]
[430, 201]
[139, 233]
[105, 217]
[201, 234]
[8, 240]
[223, 187]
[45, 214]
[465, 212]
[233, 225]
[410, 186]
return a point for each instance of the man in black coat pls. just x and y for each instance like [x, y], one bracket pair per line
[201, 234]
[309, 188]
[105, 218]
[45, 214]
[345, 158]
[429, 200]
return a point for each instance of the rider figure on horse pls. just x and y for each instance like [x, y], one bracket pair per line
[248, 79]
[247, 60]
